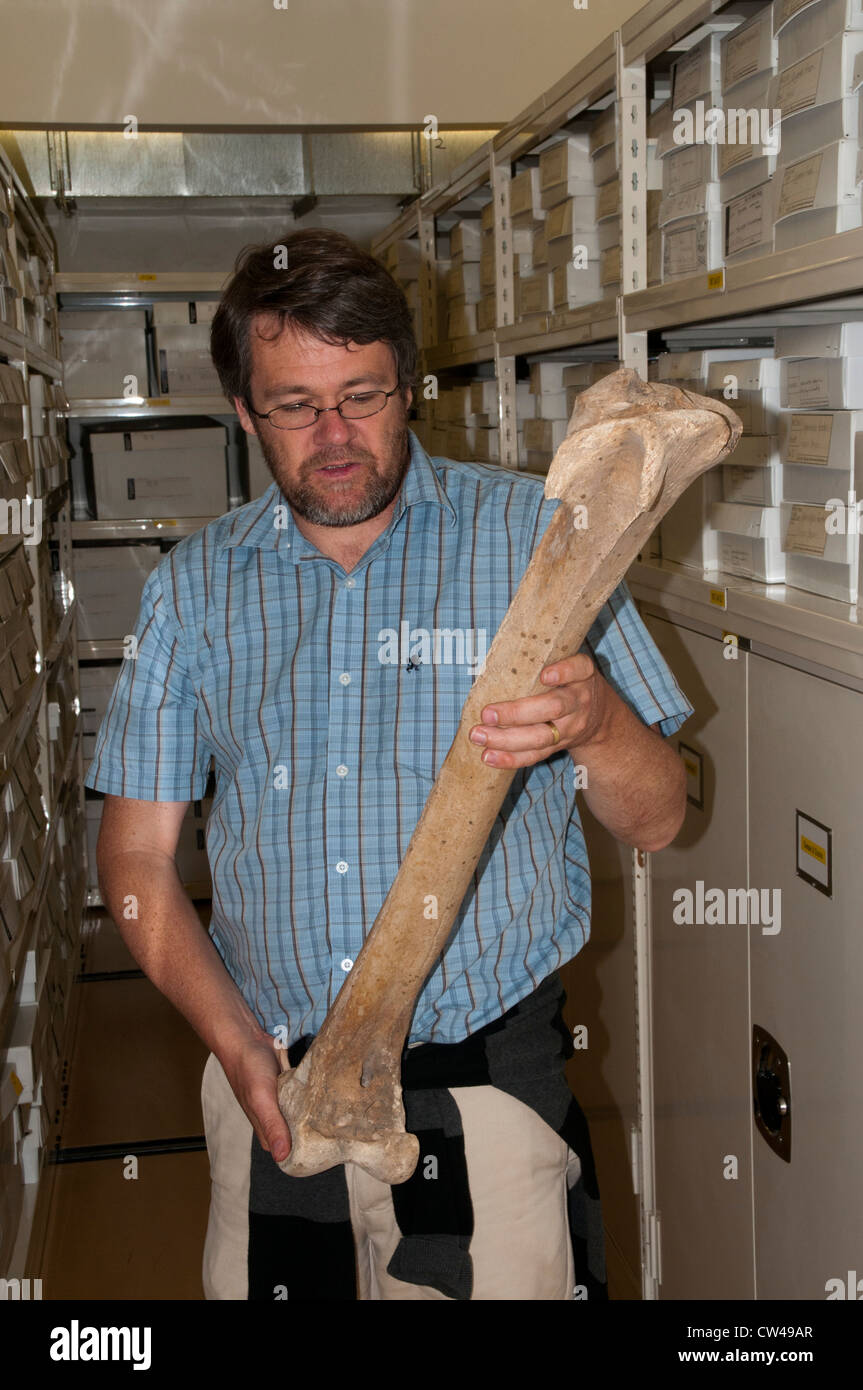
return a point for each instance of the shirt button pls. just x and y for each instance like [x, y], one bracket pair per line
[347, 965]
[342, 770]
[341, 867]
[350, 583]
[345, 678]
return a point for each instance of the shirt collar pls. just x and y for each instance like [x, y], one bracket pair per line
[268, 523]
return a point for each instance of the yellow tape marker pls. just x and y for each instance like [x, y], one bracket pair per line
[716, 280]
[18, 1085]
[691, 767]
[158, 400]
[809, 847]
[148, 277]
[718, 598]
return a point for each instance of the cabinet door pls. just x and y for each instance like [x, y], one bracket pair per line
[700, 1033]
[600, 988]
[806, 754]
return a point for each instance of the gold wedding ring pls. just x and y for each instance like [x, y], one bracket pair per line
[555, 730]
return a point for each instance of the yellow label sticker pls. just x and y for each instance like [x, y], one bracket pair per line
[16, 1083]
[716, 280]
[158, 400]
[718, 598]
[691, 767]
[148, 277]
[809, 847]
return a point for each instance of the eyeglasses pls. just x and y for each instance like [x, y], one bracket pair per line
[299, 416]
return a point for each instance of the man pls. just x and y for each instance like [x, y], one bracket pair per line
[265, 642]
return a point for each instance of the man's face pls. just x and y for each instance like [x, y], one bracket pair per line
[336, 472]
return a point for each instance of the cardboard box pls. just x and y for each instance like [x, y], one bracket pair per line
[101, 349]
[749, 224]
[108, 584]
[465, 239]
[761, 486]
[691, 246]
[802, 227]
[749, 542]
[820, 77]
[603, 132]
[533, 294]
[160, 473]
[544, 435]
[820, 439]
[819, 340]
[697, 72]
[702, 200]
[822, 383]
[688, 167]
[686, 535]
[823, 179]
[748, 50]
[565, 170]
[801, 26]
[402, 259]
[182, 343]
[756, 383]
[525, 206]
[574, 285]
[817, 561]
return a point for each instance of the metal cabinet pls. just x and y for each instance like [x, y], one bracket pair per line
[806, 754]
[701, 1054]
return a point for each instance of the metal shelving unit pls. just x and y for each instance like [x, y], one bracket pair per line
[62, 791]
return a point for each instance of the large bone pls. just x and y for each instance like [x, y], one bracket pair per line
[631, 450]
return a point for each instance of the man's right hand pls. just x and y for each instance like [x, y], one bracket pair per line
[252, 1074]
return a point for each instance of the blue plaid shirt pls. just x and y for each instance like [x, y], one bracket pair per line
[328, 702]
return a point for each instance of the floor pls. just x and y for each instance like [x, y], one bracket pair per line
[129, 1198]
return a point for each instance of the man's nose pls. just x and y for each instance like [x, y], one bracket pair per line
[331, 428]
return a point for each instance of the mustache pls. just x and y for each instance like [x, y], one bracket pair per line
[324, 457]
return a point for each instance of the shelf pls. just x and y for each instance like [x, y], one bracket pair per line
[190, 282]
[23, 941]
[169, 528]
[24, 720]
[14, 344]
[774, 617]
[154, 407]
[817, 270]
[103, 649]
[589, 323]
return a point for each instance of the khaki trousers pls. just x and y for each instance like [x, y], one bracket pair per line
[517, 1171]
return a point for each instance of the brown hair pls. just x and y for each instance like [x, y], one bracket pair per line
[330, 289]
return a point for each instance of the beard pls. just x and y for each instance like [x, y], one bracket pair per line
[319, 504]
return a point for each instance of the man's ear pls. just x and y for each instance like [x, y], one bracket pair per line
[245, 417]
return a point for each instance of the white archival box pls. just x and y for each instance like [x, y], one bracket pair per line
[749, 541]
[822, 383]
[182, 337]
[817, 561]
[801, 26]
[108, 582]
[101, 349]
[748, 50]
[160, 473]
[749, 224]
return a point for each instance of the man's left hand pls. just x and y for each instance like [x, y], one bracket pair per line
[515, 733]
